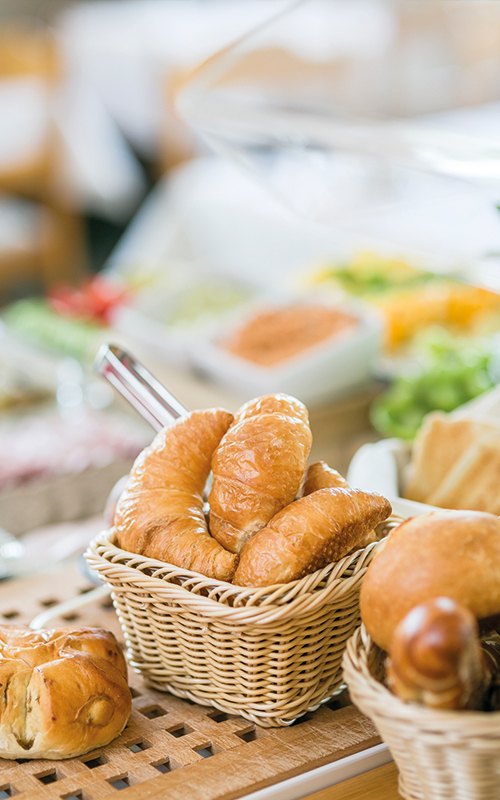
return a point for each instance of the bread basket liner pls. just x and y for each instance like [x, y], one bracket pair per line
[439, 754]
[268, 654]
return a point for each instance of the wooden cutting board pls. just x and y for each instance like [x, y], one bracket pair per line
[171, 747]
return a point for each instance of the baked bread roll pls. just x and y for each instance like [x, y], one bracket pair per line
[436, 657]
[160, 513]
[445, 553]
[309, 534]
[258, 467]
[62, 692]
[320, 476]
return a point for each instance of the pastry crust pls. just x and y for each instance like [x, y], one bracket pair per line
[309, 534]
[160, 513]
[62, 692]
[258, 467]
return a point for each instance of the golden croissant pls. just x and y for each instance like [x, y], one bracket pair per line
[258, 467]
[160, 512]
[309, 534]
[320, 476]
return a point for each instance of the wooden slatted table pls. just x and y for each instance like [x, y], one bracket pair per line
[174, 748]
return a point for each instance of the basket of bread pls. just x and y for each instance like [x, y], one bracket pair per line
[425, 664]
[243, 599]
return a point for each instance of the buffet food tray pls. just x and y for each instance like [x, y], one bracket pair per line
[59, 498]
[177, 747]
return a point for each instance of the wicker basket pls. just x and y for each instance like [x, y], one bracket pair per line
[452, 755]
[267, 654]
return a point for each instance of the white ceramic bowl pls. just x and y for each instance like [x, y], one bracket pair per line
[318, 374]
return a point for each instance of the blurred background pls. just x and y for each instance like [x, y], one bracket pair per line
[250, 197]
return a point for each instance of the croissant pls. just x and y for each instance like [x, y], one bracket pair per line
[258, 467]
[309, 534]
[160, 512]
[437, 659]
[320, 476]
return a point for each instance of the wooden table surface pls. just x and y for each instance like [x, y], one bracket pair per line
[245, 757]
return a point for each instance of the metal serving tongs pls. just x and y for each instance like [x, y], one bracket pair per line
[160, 408]
[136, 384]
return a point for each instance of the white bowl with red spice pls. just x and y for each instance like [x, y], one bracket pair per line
[311, 347]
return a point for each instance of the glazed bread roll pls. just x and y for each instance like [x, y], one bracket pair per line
[258, 467]
[446, 553]
[62, 692]
[160, 513]
[309, 534]
[436, 657]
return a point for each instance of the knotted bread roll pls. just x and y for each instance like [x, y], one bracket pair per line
[62, 692]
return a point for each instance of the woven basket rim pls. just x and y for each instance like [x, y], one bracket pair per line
[377, 698]
[222, 599]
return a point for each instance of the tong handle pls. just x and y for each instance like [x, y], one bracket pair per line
[136, 384]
